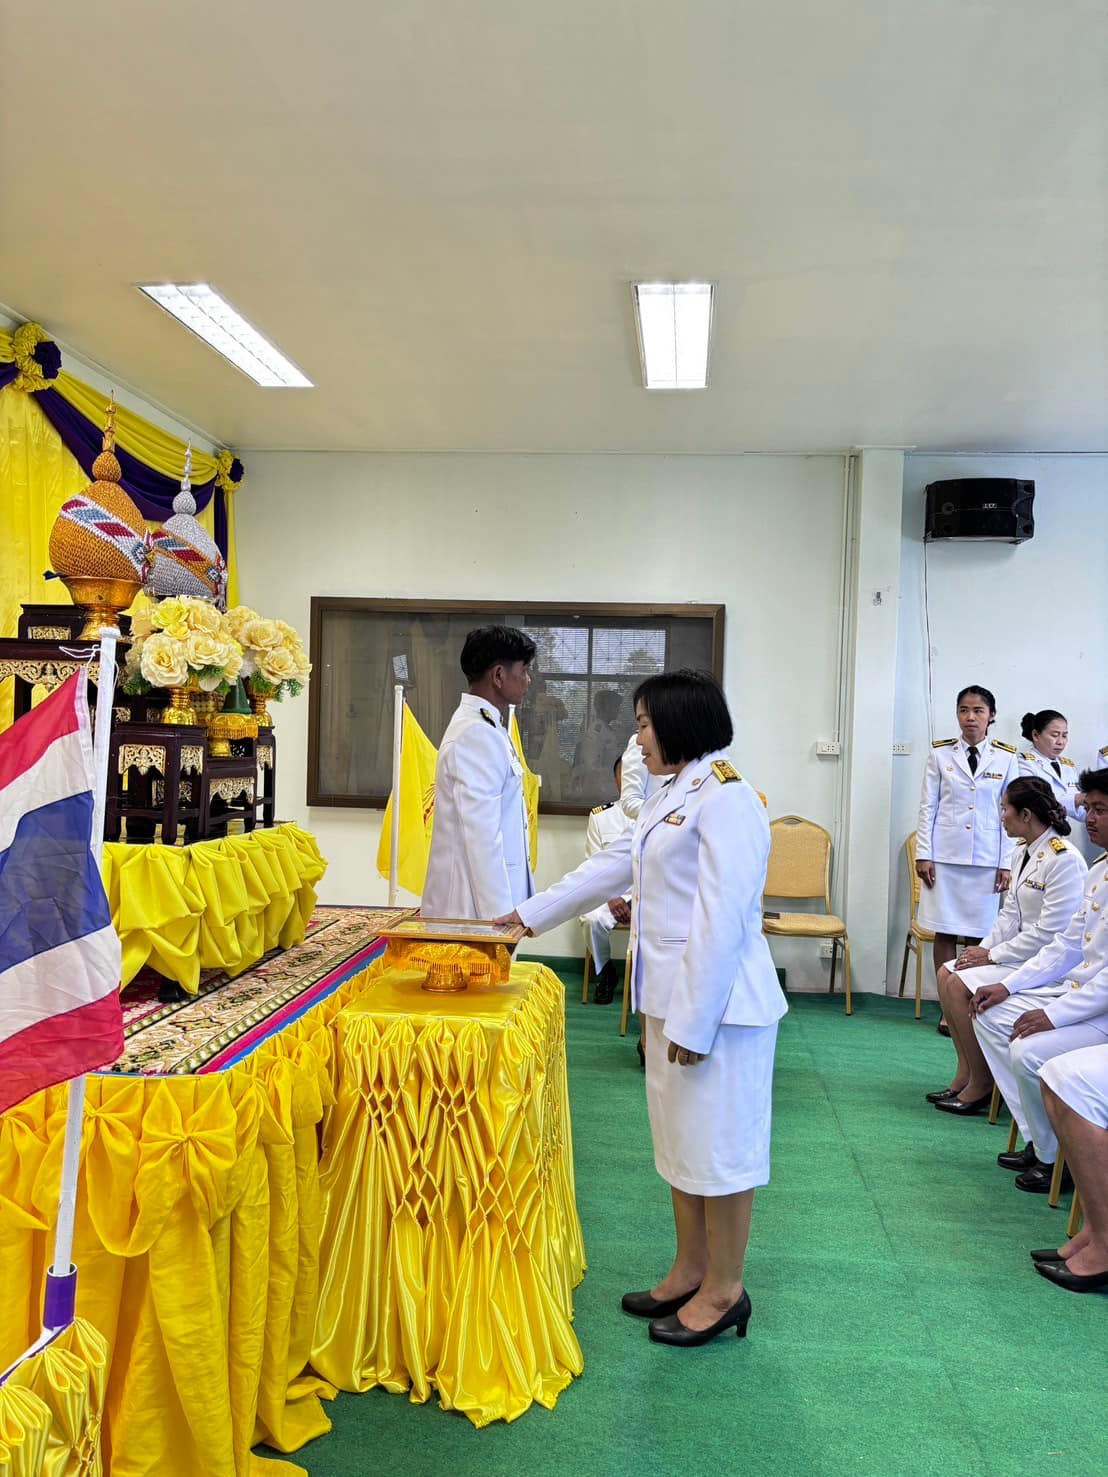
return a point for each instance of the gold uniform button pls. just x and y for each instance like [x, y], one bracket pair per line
[1088, 937]
[971, 807]
[968, 826]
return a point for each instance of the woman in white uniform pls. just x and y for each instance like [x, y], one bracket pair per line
[703, 978]
[963, 854]
[1043, 757]
[1048, 875]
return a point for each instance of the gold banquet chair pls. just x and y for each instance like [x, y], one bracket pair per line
[587, 971]
[917, 935]
[800, 867]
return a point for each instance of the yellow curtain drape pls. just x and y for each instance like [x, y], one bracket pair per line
[51, 1407]
[197, 1244]
[451, 1242]
[213, 905]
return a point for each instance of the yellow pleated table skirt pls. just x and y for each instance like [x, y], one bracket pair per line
[213, 905]
[451, 1244]
[51, 1406]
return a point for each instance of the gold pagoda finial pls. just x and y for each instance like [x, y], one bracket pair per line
[109, 424]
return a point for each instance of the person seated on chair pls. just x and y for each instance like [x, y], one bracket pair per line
[1075, 1095]
[607, 823]
[1055, 1002]
[1048, 874]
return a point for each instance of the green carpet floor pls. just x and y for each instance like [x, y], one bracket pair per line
[898, 1326]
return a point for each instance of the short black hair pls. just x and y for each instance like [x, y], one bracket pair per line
[981, 692]
[688, 713]
[1033, 723]
[489, 646]
[1093, 779]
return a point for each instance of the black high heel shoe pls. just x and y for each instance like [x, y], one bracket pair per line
[961, 1109]
[672, 1331]
[646, 1305]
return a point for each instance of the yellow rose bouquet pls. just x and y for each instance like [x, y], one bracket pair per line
[274, 661]
[182, 642]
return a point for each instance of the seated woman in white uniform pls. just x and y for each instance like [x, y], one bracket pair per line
[963, 855]
[1048, 874]
[704, 980]
[1043, 757]
[1075, 1094]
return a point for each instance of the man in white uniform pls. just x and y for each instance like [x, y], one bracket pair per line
[479, 864]
[607, 823]
[1055, 1002]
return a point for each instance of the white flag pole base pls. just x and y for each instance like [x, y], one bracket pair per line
[397, 741]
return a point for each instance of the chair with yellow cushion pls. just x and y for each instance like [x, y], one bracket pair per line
[917, 935]
[800, 867]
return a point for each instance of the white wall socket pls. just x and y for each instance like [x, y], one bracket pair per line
[826, 949]
[902, 748]
[828, 746]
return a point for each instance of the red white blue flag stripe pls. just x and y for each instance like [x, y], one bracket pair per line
[60, 963]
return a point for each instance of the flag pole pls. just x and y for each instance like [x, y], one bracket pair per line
[61, 1276]
[397, 743]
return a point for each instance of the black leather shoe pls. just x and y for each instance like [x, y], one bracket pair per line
[943, 1029]
[944, 1094]
[1036, 1180]
[1022, 1159]
[965, 1110]
[641, 1049]
[1060, 1275]
[646, 1305]
[672, 1331]
[1046, 1254]
[605, 985]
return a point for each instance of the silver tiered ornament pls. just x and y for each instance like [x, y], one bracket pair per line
[184, 558]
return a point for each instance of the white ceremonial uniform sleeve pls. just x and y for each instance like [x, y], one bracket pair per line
[595, 881]
[1062, 898]
[481, 770]
[1007, 845]
[593, 839]
[1079, 1005]
[1054, 962]
[1006, 928]
[632, 785]
[928, 809]
[730, 875]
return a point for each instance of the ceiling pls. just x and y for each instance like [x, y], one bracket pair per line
[436, 211]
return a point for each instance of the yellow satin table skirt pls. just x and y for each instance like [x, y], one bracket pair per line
[451, 1243]
[50, 1408]
[213, 905]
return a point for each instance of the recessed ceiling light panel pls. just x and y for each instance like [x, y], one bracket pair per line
[674, 321]
[211, 317]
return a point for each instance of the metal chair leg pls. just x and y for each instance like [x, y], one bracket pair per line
[1076, 1215]
[994, 1104]
[1013, 1135]
[919, 979]
[626, 993]
[904, 965]
[834, 961]
[585, 985]
[846, 973]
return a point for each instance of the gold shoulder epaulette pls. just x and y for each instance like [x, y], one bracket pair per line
[1024, 756]
[1070, 762]
[1101, 858]
[598, 808]
[1020, 841]
[725, 772]
[487, 716]
[1008, 748]
[1058, 845]
[943, 743]
[1103, 752]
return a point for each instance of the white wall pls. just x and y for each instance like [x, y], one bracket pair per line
[760, 534]
[1026, 622]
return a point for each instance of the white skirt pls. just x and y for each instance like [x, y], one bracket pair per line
[710, 1123]
[1080, 1079]
[963, 902]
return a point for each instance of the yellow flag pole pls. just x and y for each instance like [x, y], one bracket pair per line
[397, 742]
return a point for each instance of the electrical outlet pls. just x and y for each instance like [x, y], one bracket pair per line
[902, 748]
[826, 949]
[828, 746]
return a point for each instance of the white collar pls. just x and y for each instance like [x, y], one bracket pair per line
[482, 705]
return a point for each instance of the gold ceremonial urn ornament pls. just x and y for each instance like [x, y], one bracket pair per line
[452, 953]
[101, 600]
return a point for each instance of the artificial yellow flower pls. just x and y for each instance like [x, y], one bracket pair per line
[277, 665]
[261, 634]
[203, 616]
[162, 661]
[171, 616]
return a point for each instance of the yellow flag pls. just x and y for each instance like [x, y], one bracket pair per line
[417, 804]
[530, 795]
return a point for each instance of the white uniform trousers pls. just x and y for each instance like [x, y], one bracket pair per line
[1015, 1064]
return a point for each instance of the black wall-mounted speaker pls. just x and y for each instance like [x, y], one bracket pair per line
[998, 508]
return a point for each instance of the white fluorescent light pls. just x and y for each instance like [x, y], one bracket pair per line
[674, 321]
[211, 317]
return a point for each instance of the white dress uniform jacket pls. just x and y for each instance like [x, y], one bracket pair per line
[696, 862]
[1047, 883]
[1099, 759]
[1077, 957]
[478, 867]
[1063, 785]
[959, 812]
[607, 823]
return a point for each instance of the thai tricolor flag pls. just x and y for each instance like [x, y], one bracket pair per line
[60, 965]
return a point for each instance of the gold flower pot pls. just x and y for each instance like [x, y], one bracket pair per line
[180, 709]
[258, 707]
[102, 601]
